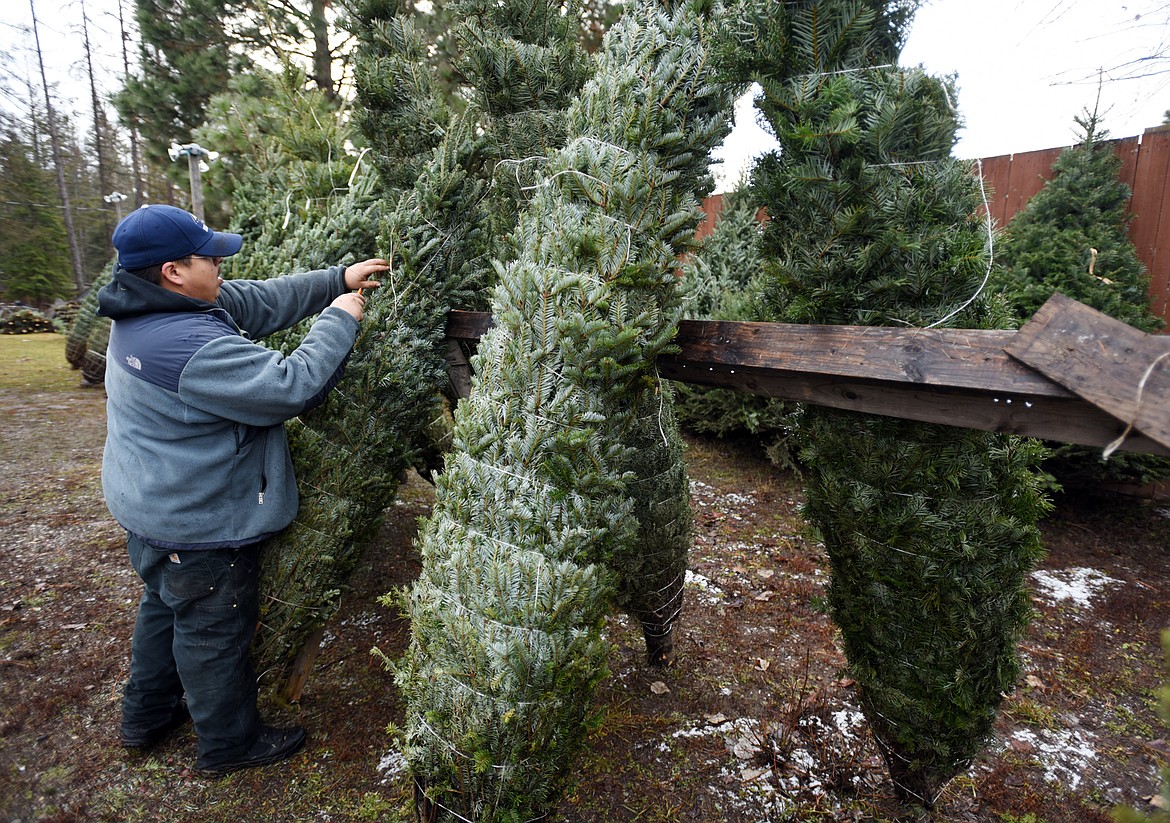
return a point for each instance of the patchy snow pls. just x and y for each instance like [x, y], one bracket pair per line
[1064, 754]
[392, 764]
[848, 721]
[771, 774]
[1079, 585]
[710, 592]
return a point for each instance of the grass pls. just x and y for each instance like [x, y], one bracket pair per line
[35, 362]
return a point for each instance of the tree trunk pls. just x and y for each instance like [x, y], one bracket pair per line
[74, 249]
[322, 55]
[132, 127]
[105, 178]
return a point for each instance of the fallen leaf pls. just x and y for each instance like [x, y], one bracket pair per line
[762, 664]
[658, 687]
[765, 596]
[716, 719]
[766, 573]
[744, 749]
[1036, 683]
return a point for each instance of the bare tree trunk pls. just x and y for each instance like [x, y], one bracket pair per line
[135, 152]
[105, 178]
[74, 249]
[322, 56]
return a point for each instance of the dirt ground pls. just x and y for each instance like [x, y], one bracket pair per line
[754, 721]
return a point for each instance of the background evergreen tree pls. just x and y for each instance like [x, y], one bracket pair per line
[723, 280]
[1072, 238]
[930, 531]
[506, 616]
[33, 242]
[185, 58]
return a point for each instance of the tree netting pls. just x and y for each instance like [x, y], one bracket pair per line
[534, 511]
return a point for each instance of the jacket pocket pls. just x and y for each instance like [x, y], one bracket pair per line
[244, 435]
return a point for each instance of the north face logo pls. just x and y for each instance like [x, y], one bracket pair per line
[133, 362]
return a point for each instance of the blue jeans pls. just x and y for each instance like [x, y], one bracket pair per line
[195, 623]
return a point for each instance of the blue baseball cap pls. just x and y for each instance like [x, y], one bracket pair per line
[157, 234]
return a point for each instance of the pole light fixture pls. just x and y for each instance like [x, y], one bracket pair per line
[196, 165]
[116, 197]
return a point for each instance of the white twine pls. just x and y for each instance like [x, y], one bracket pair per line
[549, 180]
[356, 165]
[1116, 444]
[855, 70]
[495, 468]
[990, 253]
[661, 408]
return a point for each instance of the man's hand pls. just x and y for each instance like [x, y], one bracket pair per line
[352, 303]
[358, 275]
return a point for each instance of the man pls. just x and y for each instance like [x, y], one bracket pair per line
[197, 467]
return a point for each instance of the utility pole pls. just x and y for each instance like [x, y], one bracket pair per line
[195, 167]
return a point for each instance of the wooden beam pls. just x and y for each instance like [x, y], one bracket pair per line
[1102, 360]
[959, 377]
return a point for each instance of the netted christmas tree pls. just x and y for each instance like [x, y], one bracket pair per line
[930, 531]
[1072, 237]
[522, 65]
[723, 280]
[400, 108]
[88, 335]
[534, 503]
[348, 461]
[431, 212]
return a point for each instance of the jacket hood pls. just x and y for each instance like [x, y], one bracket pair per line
[129, 296]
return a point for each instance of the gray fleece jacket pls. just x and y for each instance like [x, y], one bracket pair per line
[196, 455]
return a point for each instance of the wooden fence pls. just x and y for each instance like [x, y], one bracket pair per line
[1012, 180]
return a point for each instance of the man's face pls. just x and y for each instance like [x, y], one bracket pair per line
[200, 277]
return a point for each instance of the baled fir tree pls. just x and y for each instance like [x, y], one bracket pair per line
[1072, 237]
[522, 64]
[506, 616]
[930, 531]
[327, 211]
[85, 343]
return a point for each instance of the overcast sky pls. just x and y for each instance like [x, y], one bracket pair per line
[1025, 67]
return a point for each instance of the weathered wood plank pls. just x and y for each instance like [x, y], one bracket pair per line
[1067, 419]
[958, 358]
[959, 377]
[1111, 365]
